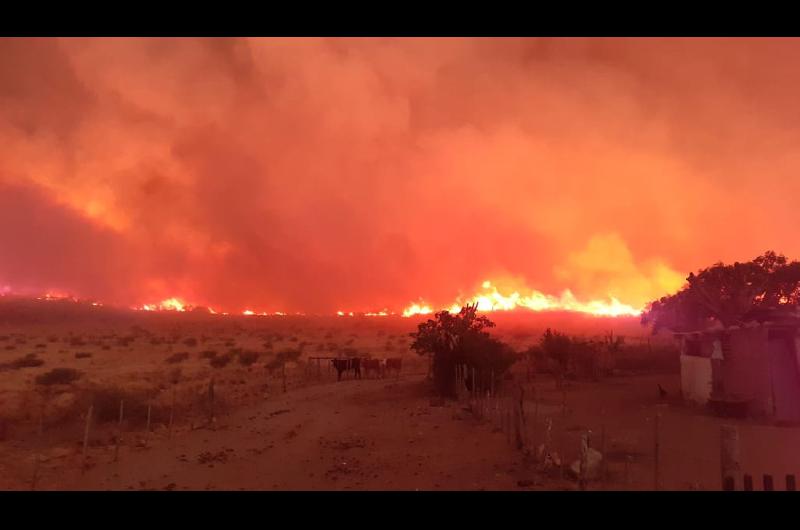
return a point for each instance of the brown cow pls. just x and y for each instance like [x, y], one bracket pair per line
[394, 365]
[372, 366]
[344, 365]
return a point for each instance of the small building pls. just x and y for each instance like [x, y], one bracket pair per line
[755, 366]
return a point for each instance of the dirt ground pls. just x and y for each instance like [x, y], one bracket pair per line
[368, 434]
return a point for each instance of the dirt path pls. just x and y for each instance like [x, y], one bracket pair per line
[366, 435]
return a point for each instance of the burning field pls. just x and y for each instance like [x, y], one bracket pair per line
[398, 263]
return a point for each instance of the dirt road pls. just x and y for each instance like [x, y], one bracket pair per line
[365, 435]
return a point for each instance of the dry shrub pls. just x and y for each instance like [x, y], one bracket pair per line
[174, 376]
[77, 341]
[247, 358]
[221, 360]
[124, 342]
[208, 354]
[106, 399]
[83, 355]
[190, 342]
[29, 361]
[177, 358]
[58, 376]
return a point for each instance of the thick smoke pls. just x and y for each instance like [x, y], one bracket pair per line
[325, 174]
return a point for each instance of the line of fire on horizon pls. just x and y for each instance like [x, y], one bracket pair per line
[487, 301]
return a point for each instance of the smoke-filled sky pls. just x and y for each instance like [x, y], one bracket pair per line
[324, 174]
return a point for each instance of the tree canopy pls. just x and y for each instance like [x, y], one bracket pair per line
[729, 294]
[460, 339]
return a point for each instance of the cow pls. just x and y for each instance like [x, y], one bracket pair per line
[344, 365]
[394, 365]
[340, 365]
[372, 366]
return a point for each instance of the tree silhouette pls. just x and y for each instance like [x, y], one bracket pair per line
[460, 339]
[729, 294]
[557, 346]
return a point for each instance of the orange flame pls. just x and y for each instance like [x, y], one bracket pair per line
[170, 304]
[493, 300]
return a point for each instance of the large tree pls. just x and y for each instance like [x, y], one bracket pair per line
[729, 294]
[460, 338]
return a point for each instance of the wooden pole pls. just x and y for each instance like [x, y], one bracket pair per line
[563, 402]
[535, 414]
[283, 375]
[604, 474]
[584, 462]
[119, 431]
[148, 417]
[41, 447]
[656, 450]
[729, 452]
[474, 388]
[172, 411]
[86, 437]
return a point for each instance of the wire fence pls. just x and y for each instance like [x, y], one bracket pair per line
[564, 435]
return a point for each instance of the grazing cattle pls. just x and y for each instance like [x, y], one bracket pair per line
[372, 366]
[344, 365]
[394, 365]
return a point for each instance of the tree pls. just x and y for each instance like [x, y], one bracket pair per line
[453, 339]
[556, 346]
[729, 294]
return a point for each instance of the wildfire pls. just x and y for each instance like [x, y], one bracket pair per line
[493, 300]
[56, 295]
[417, 309]
[170, 304]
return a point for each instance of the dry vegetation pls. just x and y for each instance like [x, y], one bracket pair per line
[240, 364]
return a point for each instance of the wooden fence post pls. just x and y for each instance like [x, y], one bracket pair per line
[147, 429]
[748, 483]
[768, 486]
[656, 453]
[584, 462]
[40, 448]
[790, 483]
[172, 411]
[604, 461]
[729, 452]
[86, 437]
[119, 430]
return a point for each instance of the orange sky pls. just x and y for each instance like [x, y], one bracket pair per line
[357, 174]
